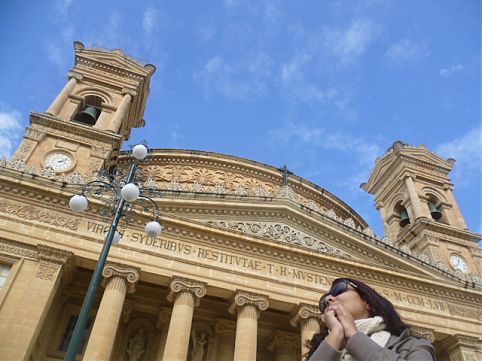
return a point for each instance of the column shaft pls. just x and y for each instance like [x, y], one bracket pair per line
[177, 342]
[309, 327]
[57, 104]
[120, 114]
[456, 210]
[103, 333]
[414, 200]
[246, 333]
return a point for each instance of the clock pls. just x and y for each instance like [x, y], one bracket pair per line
[59, 161]
[458, 263]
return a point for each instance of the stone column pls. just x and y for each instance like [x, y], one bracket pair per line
[224, 330]
[118, 281]
[414, 199]
[57, 104]
[185, 293]
[30, 298]
[284, 344]
[460, 348]
[121, 113]
[163, 325]
[247, 305]
[455, 207]
[307, 317]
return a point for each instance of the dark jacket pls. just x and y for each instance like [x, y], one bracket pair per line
[363, 348]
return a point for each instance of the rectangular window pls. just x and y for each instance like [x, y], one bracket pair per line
[4, 271]
[69, 330]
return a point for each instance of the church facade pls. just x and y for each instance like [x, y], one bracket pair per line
[246, 249]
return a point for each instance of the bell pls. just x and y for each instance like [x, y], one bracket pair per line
[404, 220]
[87, 116]
[436, 214]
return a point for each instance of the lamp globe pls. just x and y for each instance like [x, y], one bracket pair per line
[153, 229]
[130, 192]
[78, 203]
[139, 151]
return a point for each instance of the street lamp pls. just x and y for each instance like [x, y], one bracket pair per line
[120, 205]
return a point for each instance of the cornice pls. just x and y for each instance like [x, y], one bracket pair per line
[19, 249]
[67, 127]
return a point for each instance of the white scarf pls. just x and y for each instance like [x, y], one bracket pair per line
[373, 327]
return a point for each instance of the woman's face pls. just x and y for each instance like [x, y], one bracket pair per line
[352, 303]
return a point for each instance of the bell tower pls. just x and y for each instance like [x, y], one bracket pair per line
[414, 195]
[104, 98]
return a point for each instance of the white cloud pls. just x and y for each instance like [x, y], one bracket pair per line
[350, 43]
[149, 21]
[243, 80]
[467, 151]
[10, 130]
[406, 51]
[451, 70]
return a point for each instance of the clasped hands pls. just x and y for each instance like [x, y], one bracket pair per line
[340, 324]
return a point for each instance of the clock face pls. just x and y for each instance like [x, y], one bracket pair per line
[59, 161]
[458, 263]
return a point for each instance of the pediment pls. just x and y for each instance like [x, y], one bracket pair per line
[114, 59]
[328, 242]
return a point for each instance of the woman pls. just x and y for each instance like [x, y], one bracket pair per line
[362, 325]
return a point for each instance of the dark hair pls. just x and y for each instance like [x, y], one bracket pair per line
[379, 306]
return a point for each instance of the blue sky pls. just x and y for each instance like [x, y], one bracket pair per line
[324, 87]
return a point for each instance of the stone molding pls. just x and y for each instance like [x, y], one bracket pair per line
[53, 255]
[30, 212]
[129, 274]
[180, 285]
[244, 298]
[164, 317]
[18, 249]
[303, 312]
[225, 327]
[283, 338]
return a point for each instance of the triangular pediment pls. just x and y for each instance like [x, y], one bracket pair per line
[323, 240]
[114, 58]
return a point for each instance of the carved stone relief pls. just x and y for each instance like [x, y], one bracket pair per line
[280, 233]
[33, 213]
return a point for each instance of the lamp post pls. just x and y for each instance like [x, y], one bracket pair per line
[122, 197]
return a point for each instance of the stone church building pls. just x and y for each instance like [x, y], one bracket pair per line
[246, 250]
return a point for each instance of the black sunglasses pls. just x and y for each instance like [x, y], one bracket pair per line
[337, 289]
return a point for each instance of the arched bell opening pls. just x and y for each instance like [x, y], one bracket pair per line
[434, 206]
[402, 213]
[90, 111]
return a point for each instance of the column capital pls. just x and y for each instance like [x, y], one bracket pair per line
[283, 338]
[302, 312]
[180, 284]
[129, 91]
[426, 333]
[225, 327]
[164, 317]
[245, 298]
[128, 273]
[73, 74]
[463, 345]
[51, 261]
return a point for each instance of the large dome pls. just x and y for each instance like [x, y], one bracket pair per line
[201, 172]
